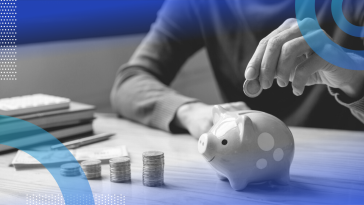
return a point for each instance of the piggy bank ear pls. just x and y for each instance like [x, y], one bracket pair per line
[218, 112]
[245, 127]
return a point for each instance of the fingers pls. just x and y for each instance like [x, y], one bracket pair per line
[292, 54]
[307, 73]
[253, 69]
[272, 55]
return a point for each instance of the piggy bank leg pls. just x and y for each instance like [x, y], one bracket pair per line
[284, 179]
[238, 184]
[221, 176]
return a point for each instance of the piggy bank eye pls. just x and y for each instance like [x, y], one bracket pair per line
[224, 142]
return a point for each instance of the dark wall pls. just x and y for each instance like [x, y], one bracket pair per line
[52, 20]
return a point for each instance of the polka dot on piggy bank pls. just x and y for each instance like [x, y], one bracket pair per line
[266, 141]
[278, 154]
[261, 163]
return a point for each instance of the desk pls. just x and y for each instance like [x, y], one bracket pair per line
[328, 168]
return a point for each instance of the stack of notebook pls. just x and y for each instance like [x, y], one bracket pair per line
[58, 116]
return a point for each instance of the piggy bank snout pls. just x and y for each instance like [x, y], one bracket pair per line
[205, 147]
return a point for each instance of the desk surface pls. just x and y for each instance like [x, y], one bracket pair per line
[328, 168]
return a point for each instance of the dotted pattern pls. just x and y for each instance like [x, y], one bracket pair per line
[266, 143]
[58, 199]
[8, 39]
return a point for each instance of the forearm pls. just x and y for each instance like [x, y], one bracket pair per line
[354, 89]
[356, 106]
[142, 98]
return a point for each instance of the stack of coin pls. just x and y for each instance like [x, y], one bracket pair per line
[70, 169]
[91, 169]
[153, 168]
[120, 169]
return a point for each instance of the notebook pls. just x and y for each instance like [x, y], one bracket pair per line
[58, 132]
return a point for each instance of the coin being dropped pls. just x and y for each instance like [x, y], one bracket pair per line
[252, 88]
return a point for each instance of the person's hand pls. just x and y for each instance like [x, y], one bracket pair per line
[285, 55]
[196, 118]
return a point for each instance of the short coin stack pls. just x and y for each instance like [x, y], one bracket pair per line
[70, 169]
[120, 169]
[91, 169]
[153, 168]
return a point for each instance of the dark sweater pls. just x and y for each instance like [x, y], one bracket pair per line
[230, 30]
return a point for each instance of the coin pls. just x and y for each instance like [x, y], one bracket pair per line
[120, 169]
[70, 173]
[91, 175]
[252, 88]
[88, 163]
[153, 154]
[119, 160]
[153, 168]
[70, 166]
[70, 169]
[91, 169]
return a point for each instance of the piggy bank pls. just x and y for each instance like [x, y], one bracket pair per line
[248, 146]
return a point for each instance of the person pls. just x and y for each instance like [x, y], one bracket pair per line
[244, 40]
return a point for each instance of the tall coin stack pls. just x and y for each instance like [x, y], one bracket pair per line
[153, 168]
[91, 169]
[120, 169]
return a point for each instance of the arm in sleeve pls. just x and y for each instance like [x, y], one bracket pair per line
[356, 9]
[141, 91]
[356, 107]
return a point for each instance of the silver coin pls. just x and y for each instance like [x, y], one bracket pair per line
[120, 177]
[68, 174]
[120, 171]
[252, 88]
[88, 163]
[153, 184]
[120, 181]
[119, 160]
[69, 171]
[70, 166]
[153, 154]
[91, 176]
[119, 167]
[153, 168]
[93, 170]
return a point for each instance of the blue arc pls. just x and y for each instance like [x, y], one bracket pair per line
[342, 22]
[11, 135]
[306, 9]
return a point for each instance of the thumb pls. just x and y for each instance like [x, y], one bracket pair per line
[251, 73]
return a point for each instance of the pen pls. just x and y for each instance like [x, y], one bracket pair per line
[84, 141]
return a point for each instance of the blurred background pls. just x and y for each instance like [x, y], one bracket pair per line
[73, 49]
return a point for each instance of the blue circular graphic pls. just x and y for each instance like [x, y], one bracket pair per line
[12, 134]
[342, 22]
[321, 44]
